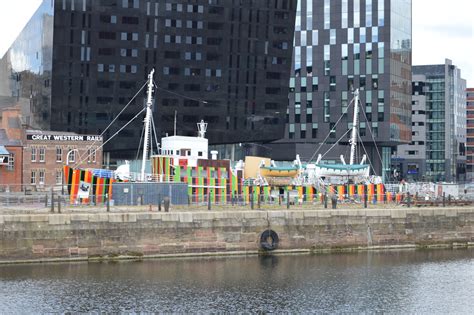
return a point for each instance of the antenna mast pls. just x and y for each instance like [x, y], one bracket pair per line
[146, 141]
[175, 113]
[355, 123]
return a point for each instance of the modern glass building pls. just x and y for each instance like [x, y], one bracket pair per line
[78, 63]
[438, 149]
[470, 134]
[340, 46]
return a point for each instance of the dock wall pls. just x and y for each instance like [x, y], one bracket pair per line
[42, 237]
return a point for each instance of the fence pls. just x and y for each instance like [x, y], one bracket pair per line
[176, 194]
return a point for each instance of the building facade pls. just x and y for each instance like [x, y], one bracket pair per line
[341, 46]
[438, 149]
[11, 150]
[409, 160]
[470, 134]
[34, 159]
[46, 152]
[78, 63]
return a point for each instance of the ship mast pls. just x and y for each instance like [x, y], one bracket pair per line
[149, 102]
[355, 125]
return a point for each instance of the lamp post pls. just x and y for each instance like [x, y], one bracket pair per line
[67, 164]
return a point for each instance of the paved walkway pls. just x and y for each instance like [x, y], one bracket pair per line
[41, 209]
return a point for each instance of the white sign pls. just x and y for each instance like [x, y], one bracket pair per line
[44, 137]
[84, 189]
[3, 159]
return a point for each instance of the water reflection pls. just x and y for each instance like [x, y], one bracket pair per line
[394, 282]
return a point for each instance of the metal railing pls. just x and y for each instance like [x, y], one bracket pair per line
[57, 201]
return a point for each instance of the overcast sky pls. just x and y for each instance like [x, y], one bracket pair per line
[441, 29]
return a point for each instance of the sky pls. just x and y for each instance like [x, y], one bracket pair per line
[441, 29]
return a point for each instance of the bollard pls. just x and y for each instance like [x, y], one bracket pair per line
[107, 202]
[233, 200]
[325, 200]
[444, 199]
[208, 201]
[365, 196]
[449, 199]
[251, 196]
[287, 199]
[159, 202]
[52, 200]
[149, 207]
[279, 200]
[334, 201]
[258, 201]
[59, 204]
[408, 200]
[166, 203]
[46, 200]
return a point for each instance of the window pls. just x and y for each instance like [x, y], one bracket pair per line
[11, 162]
[106, 35]
[129, 20]
[59, 177]
[91, 155]
[41, 154]
[326, 104]
[41, 176]
[106, 51]
[332, 83]
[59, 154]
[33, 177]
[72, 155]
[332, 37]
[33, 154]
[129, 36]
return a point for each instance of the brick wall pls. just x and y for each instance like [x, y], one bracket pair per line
[51, 165]
[11, 177]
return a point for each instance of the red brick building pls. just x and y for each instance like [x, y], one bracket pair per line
[11, 157]
[46, 152]
[34, 159]
[11, 150]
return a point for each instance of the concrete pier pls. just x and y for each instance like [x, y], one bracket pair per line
[86, 236]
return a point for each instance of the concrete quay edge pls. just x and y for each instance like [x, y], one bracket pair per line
[191, 216]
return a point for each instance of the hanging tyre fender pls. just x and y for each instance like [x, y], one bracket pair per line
[269, 240]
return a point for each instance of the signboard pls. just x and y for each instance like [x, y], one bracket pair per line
[84, 189]
[46, 137]
[3, 159]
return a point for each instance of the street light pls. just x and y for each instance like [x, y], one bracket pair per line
[67, 164]
[68, 153]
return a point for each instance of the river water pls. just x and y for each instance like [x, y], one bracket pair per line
[434, 282]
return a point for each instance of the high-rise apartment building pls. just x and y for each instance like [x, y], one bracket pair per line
[341, 46]
[438, 148]
[78, 63]
[470, 134]
[409, 160]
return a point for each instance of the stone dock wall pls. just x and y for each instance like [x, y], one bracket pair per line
[43, 237]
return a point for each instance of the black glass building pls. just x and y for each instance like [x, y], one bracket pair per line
[78, 63]
[342, 45]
